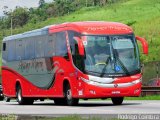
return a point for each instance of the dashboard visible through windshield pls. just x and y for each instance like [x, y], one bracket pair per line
[115, 55]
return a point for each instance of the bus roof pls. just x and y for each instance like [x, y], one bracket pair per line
[94, 27]
[87, 27]
[42, 31]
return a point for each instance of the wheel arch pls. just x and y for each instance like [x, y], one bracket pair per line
[73, 87]
[65, 83]
[18, 83]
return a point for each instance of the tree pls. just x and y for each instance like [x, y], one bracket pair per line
[63, 6]
[95, 2]
[20, 16]
[51, 10]
[103, 2]
[41, 3]
[5, 10]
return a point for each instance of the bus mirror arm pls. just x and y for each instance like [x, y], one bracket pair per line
[144, 44]
[80, 46]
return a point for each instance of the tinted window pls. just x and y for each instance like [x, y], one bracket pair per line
[50, 43]
[72, 42]
[61, 45]
[29, 48]
[5, 51]
[4, 46]
[20, 46]
[39, 46]
[11, 50]
[77, 59]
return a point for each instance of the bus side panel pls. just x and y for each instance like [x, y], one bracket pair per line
[65, 71]
[8, 82]
[9, 79]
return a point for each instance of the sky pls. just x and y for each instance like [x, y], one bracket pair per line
[13, 3]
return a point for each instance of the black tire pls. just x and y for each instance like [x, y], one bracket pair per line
[41, 99]
[117, 100]
[1, 98]
[22, 100]
[7, 99]
[68, 96]
[60, 101]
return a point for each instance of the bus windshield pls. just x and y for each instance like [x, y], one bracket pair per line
[115, 55]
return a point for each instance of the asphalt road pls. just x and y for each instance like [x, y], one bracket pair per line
[84, 107]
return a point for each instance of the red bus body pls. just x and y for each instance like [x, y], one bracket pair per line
[33, 74]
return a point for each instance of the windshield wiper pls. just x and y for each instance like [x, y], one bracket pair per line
[121, 63]
[115, 56]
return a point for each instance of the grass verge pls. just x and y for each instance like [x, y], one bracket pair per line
[68, 117]
[148, 97]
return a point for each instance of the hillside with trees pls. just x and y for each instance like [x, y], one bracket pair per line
[142, 15]
[57, 8]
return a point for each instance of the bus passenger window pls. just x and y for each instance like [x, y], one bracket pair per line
[39, 46]
[61, 45]
[50, 43]
[20, 46]
[12, 50]
[4, 46]
[29, 49]
[5, 51]
[77, 59]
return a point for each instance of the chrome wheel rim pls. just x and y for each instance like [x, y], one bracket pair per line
[69, 94]
[19, 95]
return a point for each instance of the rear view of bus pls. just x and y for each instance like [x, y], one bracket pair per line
[92, 60]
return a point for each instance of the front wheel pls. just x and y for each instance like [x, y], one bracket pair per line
[68, 96]
[117, 100]
[22, 100]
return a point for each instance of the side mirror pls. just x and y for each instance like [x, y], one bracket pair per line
[80, 46]
[144, 44]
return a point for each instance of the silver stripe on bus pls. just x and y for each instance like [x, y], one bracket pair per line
[100, 80]
[118, 85]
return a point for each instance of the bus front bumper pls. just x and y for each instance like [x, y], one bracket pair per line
[97, 90]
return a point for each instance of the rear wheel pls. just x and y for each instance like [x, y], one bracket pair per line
[1, 98]
[117, 100]
[22, 100]
[68, 96]
[7, 99]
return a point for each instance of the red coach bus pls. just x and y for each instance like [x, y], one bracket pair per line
[72, 61]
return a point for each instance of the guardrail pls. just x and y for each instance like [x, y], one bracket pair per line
[149, 89]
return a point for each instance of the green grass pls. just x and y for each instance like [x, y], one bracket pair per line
[149, 97]
[69, 117]
[66, 117]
